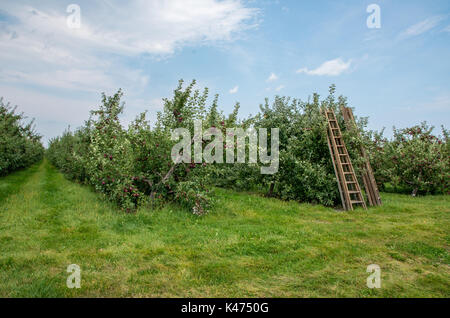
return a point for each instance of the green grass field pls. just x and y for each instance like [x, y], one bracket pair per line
[249, 246]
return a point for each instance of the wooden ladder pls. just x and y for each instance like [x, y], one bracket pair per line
[345, 174]
[370, 185]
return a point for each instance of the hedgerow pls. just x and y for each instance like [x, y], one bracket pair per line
[133, 166]
[415, 160]
[20, 145]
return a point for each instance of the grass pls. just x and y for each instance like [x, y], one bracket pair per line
[249, 246]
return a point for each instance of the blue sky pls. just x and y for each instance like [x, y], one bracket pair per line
[244, 51]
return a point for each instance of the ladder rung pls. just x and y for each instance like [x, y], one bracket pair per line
[358, 202]
[353, 191]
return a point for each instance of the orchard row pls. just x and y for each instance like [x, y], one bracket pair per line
[20, 145]
[133, 166]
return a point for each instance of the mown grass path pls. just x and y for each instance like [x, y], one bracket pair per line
[248, 246]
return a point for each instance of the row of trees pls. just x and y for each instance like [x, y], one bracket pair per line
[133, 166]
[415, 160]
[20, 145]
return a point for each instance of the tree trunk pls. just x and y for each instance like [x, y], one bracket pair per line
[414, 193]
[272, 185]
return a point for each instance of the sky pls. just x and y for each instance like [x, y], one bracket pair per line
[394, 70]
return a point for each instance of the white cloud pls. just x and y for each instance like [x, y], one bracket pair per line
[53, 113]
[78, 79]
[37, 49]
[272, 77]
[436, 108]
[331, 68]
[156, 27]
[421, 27]
[439, 103]
[279, 88]
[234, 90]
